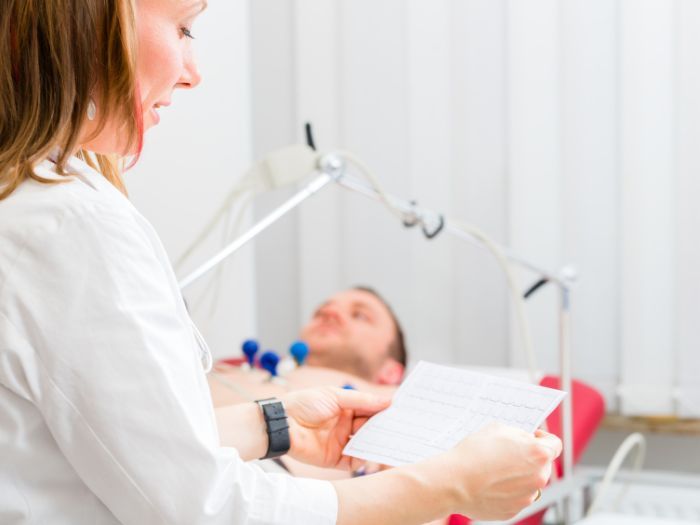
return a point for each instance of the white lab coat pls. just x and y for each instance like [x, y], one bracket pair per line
[105, 413]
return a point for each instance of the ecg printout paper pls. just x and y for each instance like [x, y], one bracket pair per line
[437, 406]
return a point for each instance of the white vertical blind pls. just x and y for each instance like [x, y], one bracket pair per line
[687, 271]
[590, 183]
[479, 161]
[569, 130]
[373, 55]
[429, 79]
[647, 174]
[535, 225]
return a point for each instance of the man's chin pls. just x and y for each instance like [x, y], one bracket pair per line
[316, 358]
[322, 342]
[323, 359]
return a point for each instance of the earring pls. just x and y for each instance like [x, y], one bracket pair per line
[91, 109]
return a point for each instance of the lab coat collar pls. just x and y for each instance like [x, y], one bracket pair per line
[77, 168]
[88, 175]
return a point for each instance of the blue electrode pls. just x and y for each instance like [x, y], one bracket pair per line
[250, 348]
[299, 351]
[269, 361]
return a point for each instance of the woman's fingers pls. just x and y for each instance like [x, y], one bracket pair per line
[363, 403]
[549, 441]
[358, 422]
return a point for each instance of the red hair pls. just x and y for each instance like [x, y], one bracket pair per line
[138, 118]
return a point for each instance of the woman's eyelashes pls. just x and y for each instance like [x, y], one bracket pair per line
[186, 32]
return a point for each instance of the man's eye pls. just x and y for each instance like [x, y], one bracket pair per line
[186, 32]
[360, 315]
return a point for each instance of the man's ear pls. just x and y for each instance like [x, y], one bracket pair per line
[391, 372]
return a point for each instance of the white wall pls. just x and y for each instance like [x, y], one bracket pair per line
[274, 126]
[196, 153]
[567, 129]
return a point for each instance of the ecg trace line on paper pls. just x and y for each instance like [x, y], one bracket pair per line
[437, 406]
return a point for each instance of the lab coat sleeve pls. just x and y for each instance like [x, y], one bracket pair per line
[116, 373]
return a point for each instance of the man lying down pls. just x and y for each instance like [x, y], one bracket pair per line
[354, 339]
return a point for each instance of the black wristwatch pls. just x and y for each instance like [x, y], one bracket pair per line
[277, 427]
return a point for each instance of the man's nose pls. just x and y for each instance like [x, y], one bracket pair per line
[331, 314]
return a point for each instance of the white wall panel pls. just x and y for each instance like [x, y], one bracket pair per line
[647, 134]
[275, 125]
[688, 211]
[317, 27]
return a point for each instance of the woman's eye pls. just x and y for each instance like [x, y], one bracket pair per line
[186, 32]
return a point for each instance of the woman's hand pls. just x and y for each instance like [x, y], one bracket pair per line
[489, 475]
[508, 467]
[322, 420]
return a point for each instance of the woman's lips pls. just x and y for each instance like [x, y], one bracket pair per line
[154, 110]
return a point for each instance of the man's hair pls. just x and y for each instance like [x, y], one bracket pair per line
[55, 57]
[397, 347]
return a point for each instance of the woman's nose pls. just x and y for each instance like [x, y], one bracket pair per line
[190, 77]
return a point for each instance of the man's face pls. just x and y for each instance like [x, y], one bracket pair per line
[352, 332]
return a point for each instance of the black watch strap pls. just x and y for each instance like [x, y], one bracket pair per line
[277, 428]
